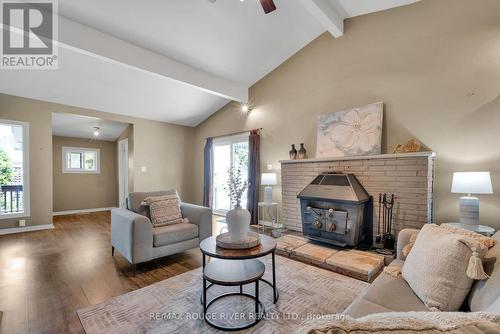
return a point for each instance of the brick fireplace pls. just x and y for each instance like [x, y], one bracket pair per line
[409, 177]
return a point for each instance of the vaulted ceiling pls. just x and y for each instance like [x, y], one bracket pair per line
[176, 61]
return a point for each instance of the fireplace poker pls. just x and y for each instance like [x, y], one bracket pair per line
[378, 238]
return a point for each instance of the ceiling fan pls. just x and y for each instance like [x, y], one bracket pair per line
[267, 5]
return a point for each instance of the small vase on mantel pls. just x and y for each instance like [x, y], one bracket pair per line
[238, 223]
[302, 152]
[293, 153]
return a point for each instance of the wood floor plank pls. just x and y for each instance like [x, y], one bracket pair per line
[46, 276]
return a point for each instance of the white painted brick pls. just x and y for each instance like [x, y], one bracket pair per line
[375, 162]
[381, 168]
[401, 161]
[401, 173]
[351, 163]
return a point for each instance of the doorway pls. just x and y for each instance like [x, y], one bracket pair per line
[123, 172]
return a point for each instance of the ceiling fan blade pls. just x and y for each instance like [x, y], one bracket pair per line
[268, 6]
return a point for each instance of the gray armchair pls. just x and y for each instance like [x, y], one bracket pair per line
[133, 235]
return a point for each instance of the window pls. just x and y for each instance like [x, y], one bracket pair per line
[228, 151]
[81, 160]
[14, 173]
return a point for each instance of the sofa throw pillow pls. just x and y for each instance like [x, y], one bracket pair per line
[442, 266]
[164, 210]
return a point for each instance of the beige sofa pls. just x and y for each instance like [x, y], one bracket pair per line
[391, 294]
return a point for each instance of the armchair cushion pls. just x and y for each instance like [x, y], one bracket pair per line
[136, 199]
[171, 234]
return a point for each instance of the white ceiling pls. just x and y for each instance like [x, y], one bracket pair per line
[352, 8]
[76, 126]
[228, 45]
[228, 38]
[89, 82]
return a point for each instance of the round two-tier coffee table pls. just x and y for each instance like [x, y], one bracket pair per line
[234, 273]
[209, 248]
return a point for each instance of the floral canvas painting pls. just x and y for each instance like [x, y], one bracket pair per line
[352, 132]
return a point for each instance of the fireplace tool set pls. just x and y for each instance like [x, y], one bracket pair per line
[385, 223]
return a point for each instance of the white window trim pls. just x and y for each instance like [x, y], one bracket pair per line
[227, 140]
[66, 170]
[26, 171]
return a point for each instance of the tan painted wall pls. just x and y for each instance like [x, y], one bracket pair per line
[40, 154]
[165, 149]
[435, 64]
[84, 191]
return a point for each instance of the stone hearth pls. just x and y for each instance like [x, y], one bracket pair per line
[362, 265]
[410, 177]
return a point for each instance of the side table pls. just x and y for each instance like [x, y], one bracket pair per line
[268, 215]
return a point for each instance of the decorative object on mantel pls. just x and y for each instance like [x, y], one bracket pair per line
[224, 241]
[470, 183]
[352, 132]
[384, 228]
[302, 154]
[411, 146]
[268, 180]
[238, 219]
[293, 153]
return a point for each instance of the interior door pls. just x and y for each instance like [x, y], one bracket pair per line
[123, 172]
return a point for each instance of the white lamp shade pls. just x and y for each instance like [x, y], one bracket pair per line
[472, 183]
[268, 179]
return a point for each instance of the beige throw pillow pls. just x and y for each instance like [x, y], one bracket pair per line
[164, 210]
[437, 267]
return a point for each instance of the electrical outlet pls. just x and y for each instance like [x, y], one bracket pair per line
[269, 167]
[144, 169]
[22, 223]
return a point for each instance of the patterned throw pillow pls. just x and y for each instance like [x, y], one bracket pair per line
[164, 210]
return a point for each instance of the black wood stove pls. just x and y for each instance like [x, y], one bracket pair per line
[334, 209]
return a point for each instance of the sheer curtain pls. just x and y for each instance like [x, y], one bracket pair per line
[207, 173]
[253, 175]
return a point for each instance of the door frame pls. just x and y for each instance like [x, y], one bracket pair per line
[123, 172]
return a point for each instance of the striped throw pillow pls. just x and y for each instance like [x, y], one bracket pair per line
[164, 210]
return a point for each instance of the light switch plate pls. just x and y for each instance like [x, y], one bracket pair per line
[144, 169]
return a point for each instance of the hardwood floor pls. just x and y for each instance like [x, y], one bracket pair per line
[46, 276]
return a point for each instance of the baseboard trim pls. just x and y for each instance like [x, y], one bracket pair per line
[13, 230]
[74, 212]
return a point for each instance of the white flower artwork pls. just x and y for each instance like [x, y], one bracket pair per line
[352, 132]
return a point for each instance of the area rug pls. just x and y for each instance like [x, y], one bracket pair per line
[173, 305]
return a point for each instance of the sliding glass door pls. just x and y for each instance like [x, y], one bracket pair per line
[229, 152]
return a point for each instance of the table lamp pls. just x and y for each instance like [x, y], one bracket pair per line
[470, 183]
[268, 180]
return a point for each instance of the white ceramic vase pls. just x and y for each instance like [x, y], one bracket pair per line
[238, 223]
